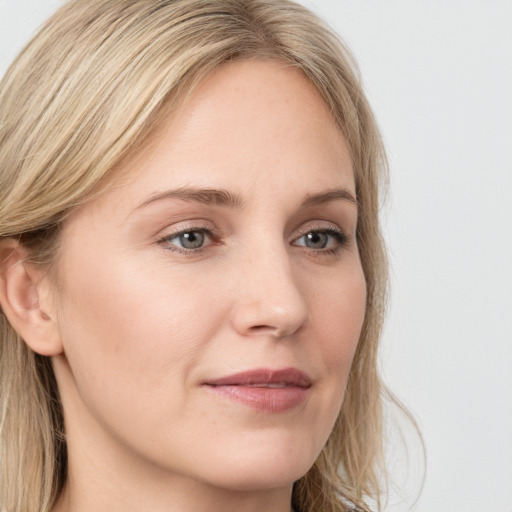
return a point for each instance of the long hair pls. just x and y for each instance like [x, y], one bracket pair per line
[83, 95]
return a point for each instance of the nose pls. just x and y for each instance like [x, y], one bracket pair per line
[269, 299]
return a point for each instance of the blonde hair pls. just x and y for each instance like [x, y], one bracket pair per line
[84, 94]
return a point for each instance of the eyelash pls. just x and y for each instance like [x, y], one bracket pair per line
[165, 240]
[339, 236]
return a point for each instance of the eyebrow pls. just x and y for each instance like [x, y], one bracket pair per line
[225, 198]
[217, 197]
[328, 196]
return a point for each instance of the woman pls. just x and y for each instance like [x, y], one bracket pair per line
[192, 274]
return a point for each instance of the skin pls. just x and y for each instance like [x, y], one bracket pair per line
[141, 323]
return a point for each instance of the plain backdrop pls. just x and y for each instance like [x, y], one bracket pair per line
[439, 76]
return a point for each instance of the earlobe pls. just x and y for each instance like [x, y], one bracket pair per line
[26, 300]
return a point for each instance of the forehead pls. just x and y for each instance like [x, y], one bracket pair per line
[254, 111]
[248, 125]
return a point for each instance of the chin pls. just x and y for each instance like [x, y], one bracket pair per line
[259, 479]
[263, 466]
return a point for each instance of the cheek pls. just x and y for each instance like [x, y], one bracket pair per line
[337, 314]
[130, 329]
[340, 314]
[339, 318]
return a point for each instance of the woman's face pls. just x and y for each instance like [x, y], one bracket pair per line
[209, 304]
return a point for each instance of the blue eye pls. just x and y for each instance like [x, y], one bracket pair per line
[189, 240]
[325, 239]
[316, 240]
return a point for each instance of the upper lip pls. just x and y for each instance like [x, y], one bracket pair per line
[264, 376]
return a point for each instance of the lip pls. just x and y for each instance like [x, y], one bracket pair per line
[264, 389]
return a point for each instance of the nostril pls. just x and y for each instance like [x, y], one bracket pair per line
[262, 328]
[268, 330]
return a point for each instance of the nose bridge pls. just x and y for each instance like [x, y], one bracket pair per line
[269, 300]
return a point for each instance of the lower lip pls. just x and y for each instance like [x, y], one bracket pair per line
[262, 398]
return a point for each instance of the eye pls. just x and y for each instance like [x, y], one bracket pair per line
[190, 240]
[329, 239]
[193, 239]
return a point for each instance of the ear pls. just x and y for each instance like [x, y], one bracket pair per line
[26, 300]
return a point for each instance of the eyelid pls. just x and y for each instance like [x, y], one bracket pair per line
[333, 230]
[327, 226]
[188, 228]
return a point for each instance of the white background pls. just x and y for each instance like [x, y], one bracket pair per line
[439, 75]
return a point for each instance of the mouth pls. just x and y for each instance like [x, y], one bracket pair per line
[265, 390]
